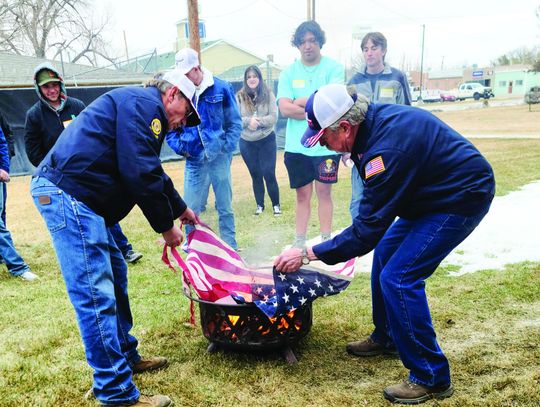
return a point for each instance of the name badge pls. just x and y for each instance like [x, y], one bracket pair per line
[386, 93]
[298, 83]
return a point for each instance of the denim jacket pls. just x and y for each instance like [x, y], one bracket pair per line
[220, 126]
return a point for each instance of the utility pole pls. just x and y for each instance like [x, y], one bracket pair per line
[422, 62]
[193, 23]
[311, 10]
[125, 45]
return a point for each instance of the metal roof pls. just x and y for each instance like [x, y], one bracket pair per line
[16, 71]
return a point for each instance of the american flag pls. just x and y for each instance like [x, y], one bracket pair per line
[293, 290]
[218, 274]
[375, 166]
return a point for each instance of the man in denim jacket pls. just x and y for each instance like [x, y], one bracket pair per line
[208, 148]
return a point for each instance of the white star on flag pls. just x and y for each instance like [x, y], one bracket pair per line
[282, 276]
[300, 280]
[317, 283]
[303, 300]
[312, 292]
[286, 298]
[294, 288]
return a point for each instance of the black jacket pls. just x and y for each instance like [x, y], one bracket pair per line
[8, 135]
[44, 125]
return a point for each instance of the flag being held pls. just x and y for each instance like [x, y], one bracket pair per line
[218, 274]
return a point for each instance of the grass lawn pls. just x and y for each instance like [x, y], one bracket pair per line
[488, 322]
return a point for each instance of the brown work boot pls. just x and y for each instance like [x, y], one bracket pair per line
[147, 365]
[369, 347]
[149, 401]
[413, 393]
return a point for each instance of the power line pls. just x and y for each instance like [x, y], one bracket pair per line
[234, 11]
[281, 11]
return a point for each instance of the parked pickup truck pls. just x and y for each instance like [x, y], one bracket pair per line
[474, 91]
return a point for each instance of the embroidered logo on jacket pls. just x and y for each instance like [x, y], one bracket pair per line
[156, 127]
[375, 166]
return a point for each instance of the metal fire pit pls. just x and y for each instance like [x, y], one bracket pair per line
[245, 327]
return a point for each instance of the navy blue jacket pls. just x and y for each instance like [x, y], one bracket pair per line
[109, 158]
[412, 164]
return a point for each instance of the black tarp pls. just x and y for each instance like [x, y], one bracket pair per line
[14, 103]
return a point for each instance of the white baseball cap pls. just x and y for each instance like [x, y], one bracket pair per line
[323, 108]
[178, 79]
[186, 59]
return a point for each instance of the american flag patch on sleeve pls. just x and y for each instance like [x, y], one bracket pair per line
[375, 166]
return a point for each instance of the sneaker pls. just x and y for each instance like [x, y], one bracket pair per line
[259, 210]
[147, 365]
[149, 401]
[414, 393]
[28, 276]
[132, 257]
[277, 210]
[325, 237]
[369, 347]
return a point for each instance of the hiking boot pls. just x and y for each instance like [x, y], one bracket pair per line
[413, 393]
[147, 365]
[149, 401]
[28, 276]
[132, 257]
[259, 210]
[369, 347]
[277, 210]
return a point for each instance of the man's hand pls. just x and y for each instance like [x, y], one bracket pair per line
[173, 237]
[4, 176]
[289, 260]
[301, 102]
[189, 217]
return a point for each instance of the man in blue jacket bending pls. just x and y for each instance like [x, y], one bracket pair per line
[440, 187]
[208, 148]
[103, 164]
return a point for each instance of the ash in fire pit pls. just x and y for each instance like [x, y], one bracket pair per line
[245, 327]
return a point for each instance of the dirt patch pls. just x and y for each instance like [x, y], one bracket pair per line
[510, 120]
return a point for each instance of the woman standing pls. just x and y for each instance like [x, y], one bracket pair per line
[258, 147]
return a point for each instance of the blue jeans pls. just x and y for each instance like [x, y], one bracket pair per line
[357, 185]
[198, 176]
[120, 239]
[409, 252]
[14, 262]
[95, 275]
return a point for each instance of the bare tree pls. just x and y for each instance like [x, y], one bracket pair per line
[51, 27]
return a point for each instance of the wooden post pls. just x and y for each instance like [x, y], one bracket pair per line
[193, 22]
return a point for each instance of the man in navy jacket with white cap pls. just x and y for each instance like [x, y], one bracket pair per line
[103, 164]
[416, 168]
